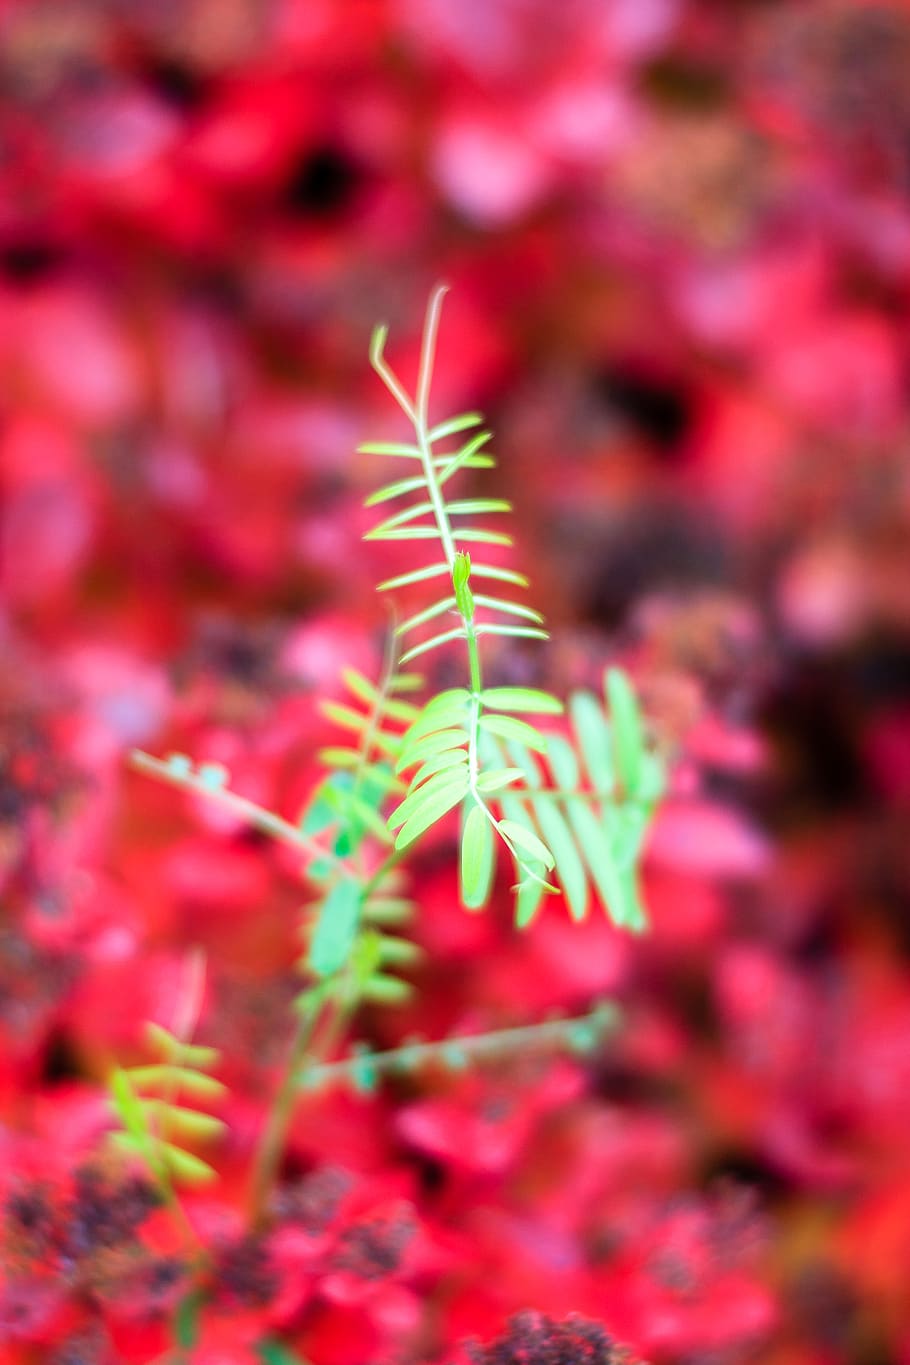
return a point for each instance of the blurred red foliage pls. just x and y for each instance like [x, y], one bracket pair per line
[678, 235]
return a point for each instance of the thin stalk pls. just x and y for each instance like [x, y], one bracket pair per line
[257, 816]
[271, 1148]
[587, 1028]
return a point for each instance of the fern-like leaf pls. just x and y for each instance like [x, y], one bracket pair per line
[150, 1100]
[590, 803]
[442, 751]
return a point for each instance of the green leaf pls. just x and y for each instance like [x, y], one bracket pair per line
[466, 457]
[627, 729]
[592, 838]
[652, 781]
[395, 490]
[450, 758]
[477, 859]
[527, 902]
[387, 990]
[418, 797]
[634, 916]
[527, 842]
[428, 614]
[503, 575]
[403, 580]
[507, 727]
[562, 760]
[174, 1049]
[345, 716]
[516, 632]
[381, 532]
[361, 687]
[593, 739]
[429, 745]
[569, 869]
[406, 682]
[440, 804]
[496, 778]
[336, 927]
[479, 535]
[368, 818]
[398, 952]
[434, 643]
[404, 533]
[335, 757]
[129, 1108]
[388, 910]
[407, 452]
[569, 866]
[190, 1082]
[447, 708]
[467, 506]
[453, 425]
[498, 604]
[177, 1121]
[521, 699]
[186, 1166]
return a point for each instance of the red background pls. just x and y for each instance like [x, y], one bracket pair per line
[677, 235]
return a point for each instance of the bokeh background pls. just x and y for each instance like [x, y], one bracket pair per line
[677, 234]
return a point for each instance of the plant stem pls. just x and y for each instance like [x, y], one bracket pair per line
[271, 1148]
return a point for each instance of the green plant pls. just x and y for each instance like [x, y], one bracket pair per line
[570, 804]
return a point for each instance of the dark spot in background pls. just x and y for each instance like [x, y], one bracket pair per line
[26, 260]
[881, 673]
[321, 184]
[60, 1062]
[813, 725]
[649, 550]
[678, 82]
[179, 86]
[745, 1169]
[655, 408]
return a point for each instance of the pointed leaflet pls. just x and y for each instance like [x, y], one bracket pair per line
[191, 1169]
[494, 779]
[418, 797]
[436, 641]
[446, 709]
[176, 1050]
[336, 927]
[453, 425]
[450, 758]
[433, 808]
[594, 842]
[593, 739]
[527, 842]
[394, 490]
[569, 867]
[195, 1083]
[477, 859]
[507, 727]
[627, 729]
[521, 699]
[430, 744]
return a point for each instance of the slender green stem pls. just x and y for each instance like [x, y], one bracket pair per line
[271, 1149]
[583, 1031]
[305, 1051]
[257, 816]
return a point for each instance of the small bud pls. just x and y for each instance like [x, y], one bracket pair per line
[461, 572]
